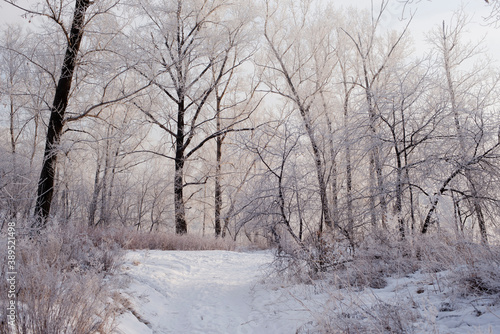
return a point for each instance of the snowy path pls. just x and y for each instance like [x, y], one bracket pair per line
[220, 292]
[200, 292]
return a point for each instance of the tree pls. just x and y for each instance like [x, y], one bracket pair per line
[235, 101]
[467, 96]
[76, 60]
[58, 107]
[286, 43]
[191, 52]
[373, 63]
[410, 124]
[23, 113]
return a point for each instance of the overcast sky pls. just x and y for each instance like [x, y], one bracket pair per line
[428, 14]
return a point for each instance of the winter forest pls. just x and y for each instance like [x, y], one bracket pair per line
[314, 130]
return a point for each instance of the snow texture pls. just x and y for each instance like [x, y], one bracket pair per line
[224, 292]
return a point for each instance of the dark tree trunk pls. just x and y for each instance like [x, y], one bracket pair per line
[398, 208]
[435, 200]
[180, 213]
[46, 182]
[218, 189]
[350, 219]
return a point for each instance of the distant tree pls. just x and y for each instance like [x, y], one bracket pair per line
[374, 59]
[290, 60]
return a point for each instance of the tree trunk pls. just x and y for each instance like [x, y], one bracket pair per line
[179, 207]
[398, 207]
[46, 182]
[321, 178]
[435, 200]
[95, 195]
[333, 154]
[375, 161]
[12, 135]
[350, 218]
[180, 215]
[454, 108]
[218, 190]
[375, 152]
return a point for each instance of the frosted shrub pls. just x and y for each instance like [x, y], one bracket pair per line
[466, 270]
[62, 284]
[358, 317]
[477, 269]
[374, 260]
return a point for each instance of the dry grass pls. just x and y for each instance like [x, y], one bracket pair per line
[131, 239]
[61, 284]
[467, 270]
[355, 316]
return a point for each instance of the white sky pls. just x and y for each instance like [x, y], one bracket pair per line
[428, 14]
[9, 14]
[431, 13]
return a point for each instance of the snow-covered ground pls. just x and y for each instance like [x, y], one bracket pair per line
[202, 292]
[224, 292]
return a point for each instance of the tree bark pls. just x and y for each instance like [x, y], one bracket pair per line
[56, 122]
[348, 167]
[375, 154]
[179, 207]
[218, 189]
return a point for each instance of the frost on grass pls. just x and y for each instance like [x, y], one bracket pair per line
[422, 285]
[62, 282]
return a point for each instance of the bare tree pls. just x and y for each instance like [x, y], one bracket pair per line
[467, 94]
[22, 111]
[73, 35]
[297, 84]
[373, 64]
[58, 109]
[192, 52]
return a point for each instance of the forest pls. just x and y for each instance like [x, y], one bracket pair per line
[313, 129]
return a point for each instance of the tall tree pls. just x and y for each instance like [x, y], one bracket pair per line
[287, 44]
[191, 49]
[467, 95]
[55, 127]
[373, 63]
[104, 86]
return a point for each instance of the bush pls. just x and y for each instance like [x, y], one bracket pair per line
[61, 282]
[466, 270]
[358, 317]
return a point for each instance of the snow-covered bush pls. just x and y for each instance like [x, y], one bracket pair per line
[389, 284]
[375, 260]
[357, 316]
[62, 282]
[474, 268]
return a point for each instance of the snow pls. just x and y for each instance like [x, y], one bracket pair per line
[193, 291]
[229, 292]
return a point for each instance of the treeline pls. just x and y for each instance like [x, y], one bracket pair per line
[294, 120]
